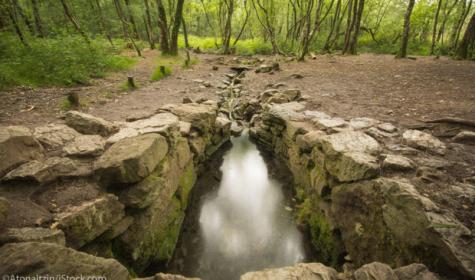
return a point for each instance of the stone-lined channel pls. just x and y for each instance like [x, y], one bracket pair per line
[239, 219]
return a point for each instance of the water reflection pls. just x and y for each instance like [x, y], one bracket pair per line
[244, 225]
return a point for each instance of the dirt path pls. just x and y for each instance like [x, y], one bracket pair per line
[379, 86]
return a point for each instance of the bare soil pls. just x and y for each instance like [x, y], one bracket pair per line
[379, 86]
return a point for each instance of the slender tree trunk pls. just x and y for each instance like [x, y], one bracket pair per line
[228, 25]
[244, 24]
[132, 20]
[185, 32]
[13, 17]
[460, 23]
[73, 20]
[125, 26]
[25, 18]
[326, 46]
[407, 27]
[38, 21]
[354, 39]
[444, 22]
[434, 28]
[467, 40]
[176, 27]
[350, 22]
[163, 26]
[103, 24]
[148, 25]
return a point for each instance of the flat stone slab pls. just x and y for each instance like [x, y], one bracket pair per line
[424, 141]
[34, 258]
[132, 159]
[89, 124]
[85, 145]
[55, 136]
[29, 234]
[82, 224]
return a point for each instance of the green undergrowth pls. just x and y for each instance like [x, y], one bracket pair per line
[167, 64]
[161, 72]
[242, 47]
[63, 60]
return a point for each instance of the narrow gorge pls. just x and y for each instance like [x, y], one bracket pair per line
[191, 190]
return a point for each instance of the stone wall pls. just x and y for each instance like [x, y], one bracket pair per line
[111, 190]
[356, 181]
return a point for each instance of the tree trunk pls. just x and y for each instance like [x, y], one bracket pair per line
[176, 27]
[102, 21]
[13, 17]
[163, 26]
[38, 22]
[354, 39]
[467, 40]
[326, 46]
[148, 25]
[228, 25]
[434, 29]
[244, 24]
[73, 20]
[132, 20]
[25, 18]
[350, 22]
[407, 27]
[185, 32]
[459, 24]
[125, 26]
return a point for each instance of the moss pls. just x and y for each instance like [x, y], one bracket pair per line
[167, 238]
[187, 181]
[322, 237]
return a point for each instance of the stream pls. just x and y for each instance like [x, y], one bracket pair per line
[239, 220]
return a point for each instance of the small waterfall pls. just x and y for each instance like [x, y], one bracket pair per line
[245, 226]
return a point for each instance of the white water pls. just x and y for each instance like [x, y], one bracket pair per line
[245, 226]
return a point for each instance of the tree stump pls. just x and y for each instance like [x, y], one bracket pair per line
[73, 98]
[131, 82]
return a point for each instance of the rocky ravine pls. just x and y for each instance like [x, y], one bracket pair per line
[92, 197]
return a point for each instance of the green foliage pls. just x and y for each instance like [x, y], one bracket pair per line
[160, 72]
[66, 105]
[63, 60]
[242, 47]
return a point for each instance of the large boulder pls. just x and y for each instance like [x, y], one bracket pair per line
[48, 170]
[34, 259]
[465, 137]
[54, 136]
[425, 141]
[415, 271]
[17, 146]
[132, 159]
[29, 234]
[201, 116]
[82, 224]
[302, 271]
[85, 145]
[89, 124]
[350, 155]
[391, 214]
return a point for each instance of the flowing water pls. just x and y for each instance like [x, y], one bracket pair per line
[244, 225]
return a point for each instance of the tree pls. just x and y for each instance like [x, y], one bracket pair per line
[74, 21]
[169, 43]
[148, 25]
[406, 30]
[125, 26]
[38, 21]
[228, 26]
[467, 40]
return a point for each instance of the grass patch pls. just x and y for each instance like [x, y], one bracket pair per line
[161, 72]
[63, 60]
[242, 47]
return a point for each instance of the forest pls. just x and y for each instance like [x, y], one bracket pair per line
[70, 41]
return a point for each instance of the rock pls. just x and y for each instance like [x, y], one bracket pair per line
[85, 145]
[4, 210]
[362, 123]
[264, 68]
[44, 235]
[187, 100]
[402, 219]
[144, 193]
[47, 171]
[163, 276]
[303, 271]
[307, 141]
[397, 163]
[17, 146]
[55, 136]
[296, 76]
[236, 129]
[425, 141]
[324, 122]
[82, 224]
[387, 127]
[88, 124]
[117, 229]
[132, 159]
[33, 259]
[201, 116]
[375, 270]
[135, 116]
[402, 149]
[285, 96]
[379, 134]
[465, 137]
[163, 123]
[350, 141]
[185, 128]
[415, 271]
